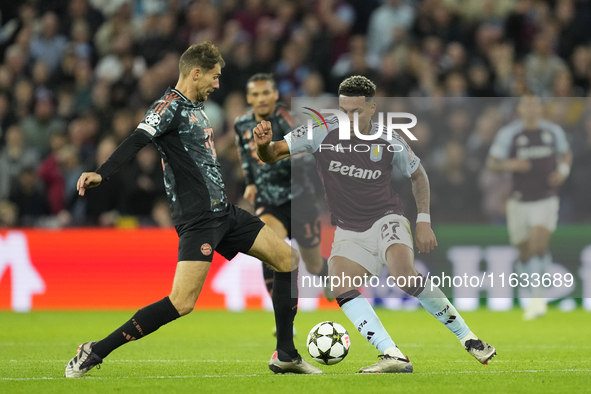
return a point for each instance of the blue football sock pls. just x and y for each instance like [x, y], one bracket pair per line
[362, 315]
[437, 304]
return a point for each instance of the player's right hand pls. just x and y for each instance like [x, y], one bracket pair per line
[250, 193]
[263, 133]
[518, 165]
[88, 180]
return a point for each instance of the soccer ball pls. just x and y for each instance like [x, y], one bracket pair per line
[328, 343]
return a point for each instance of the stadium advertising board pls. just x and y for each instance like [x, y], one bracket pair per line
[43, 270]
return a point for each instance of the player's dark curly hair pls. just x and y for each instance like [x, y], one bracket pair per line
[356, 86]
[262, 77]
[204, 55]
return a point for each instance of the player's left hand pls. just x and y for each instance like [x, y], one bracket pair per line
[556, 179]
[425, 237]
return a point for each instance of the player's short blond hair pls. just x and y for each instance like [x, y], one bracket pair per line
[204, 55]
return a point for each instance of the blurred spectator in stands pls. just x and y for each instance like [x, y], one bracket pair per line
[562, 86]
[542, 65]
[24, 19]
[161, 214]
[48, 45]
[251, 15]
[123, 124]
[8, 214]
[112, 66]
[385, 23]
[100, 206]
[16, 61]
[15, 156]
[6, 81]
[144, 183]
[501, 61]
[455, 194]
[314, 86]
[66, 103]
[101, 102]
[356, 62]
[454, 58]
[67, 69]
[485, 128]
[264, 55]
[291, 69]
[39, 127]
[81, 11]
[581, 67]
[319, 43]
[480, 81]
[29, 197]
[120, 22]
[68, 159]
[459, 125]
[84, 135]
[23, 103]
[456, 85]
[83, 86]
[239, 67]
[482, 10]
[81, 42]
[337, 17]
[148, 90]
[282, 26]
[573, 30]
[51, 175]
[203, 22]
[433, 18]
[6, 116]
[41, 78]
[160, 39]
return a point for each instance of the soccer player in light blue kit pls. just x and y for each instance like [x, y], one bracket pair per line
[539, 158]
[371, 229]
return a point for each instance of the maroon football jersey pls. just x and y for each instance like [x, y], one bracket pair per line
[356, 174]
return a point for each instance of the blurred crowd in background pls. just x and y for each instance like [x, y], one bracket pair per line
[77, 76]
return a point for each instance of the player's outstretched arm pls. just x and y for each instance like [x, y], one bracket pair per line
[88, 180]
[267, 150]
[424, 236]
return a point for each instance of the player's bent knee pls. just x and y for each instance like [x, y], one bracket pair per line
[182, 305]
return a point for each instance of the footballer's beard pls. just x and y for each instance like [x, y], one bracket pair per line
[202, 96]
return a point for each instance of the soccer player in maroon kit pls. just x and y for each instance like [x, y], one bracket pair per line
[537, 154]
[371, 229]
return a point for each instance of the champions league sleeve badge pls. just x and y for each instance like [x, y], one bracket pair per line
[153, 119]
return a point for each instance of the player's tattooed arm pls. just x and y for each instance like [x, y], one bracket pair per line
[424, 236]
[267, 150]
[420, 189]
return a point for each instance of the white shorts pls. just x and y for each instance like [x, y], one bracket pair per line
[523, 215]
[368, 248]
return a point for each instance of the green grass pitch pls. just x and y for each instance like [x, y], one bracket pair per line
[223, 352]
